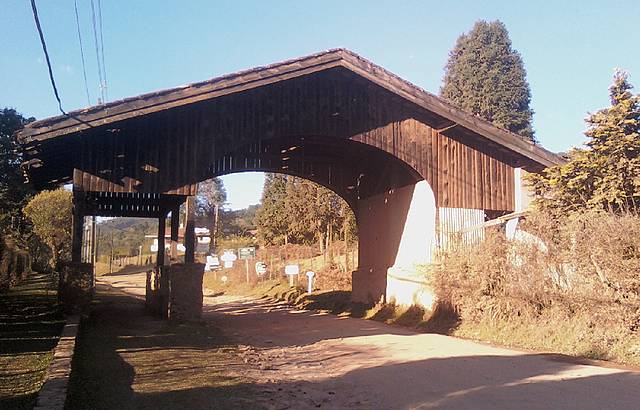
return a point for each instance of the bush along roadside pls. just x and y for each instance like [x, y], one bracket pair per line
[567, 285]
[15, 263]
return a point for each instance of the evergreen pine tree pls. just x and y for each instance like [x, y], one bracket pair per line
[300, 211]
[486, 77]
[271, 218]
[605, 175]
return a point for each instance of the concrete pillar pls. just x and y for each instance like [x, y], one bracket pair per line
[396, 231]
[186, 291]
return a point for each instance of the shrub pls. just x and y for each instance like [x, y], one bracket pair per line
[15, 263]
[569, 284]
[50, 214]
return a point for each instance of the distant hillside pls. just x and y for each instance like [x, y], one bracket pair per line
[126, 234]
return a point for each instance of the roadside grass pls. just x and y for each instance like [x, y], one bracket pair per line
[126, 358]
[30, 326]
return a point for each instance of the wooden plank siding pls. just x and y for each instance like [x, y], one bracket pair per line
[342, 126]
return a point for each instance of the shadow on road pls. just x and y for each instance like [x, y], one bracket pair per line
[127, 359]
[130, 269]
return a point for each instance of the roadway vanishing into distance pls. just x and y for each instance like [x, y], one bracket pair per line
[305, 359]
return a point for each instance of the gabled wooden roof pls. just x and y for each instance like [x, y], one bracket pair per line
[451, 117]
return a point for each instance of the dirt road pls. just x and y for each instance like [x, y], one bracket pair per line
[303, 360]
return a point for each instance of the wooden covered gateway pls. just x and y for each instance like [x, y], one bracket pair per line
[332, 117]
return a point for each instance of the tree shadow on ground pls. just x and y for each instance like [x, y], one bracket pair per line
[335, 302]
[124, 356]
[160, 369]
[130, 269]
[271, 317]
[127, 359]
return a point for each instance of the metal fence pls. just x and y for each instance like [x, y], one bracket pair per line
[462, 227]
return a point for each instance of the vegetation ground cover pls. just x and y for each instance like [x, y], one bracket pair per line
[30, 326]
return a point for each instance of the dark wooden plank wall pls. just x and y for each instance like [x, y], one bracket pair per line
[460, 176]
[170, 151]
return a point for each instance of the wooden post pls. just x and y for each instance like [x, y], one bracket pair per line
[161, 233]
[94, 242]
[175, 227]
[77, 226]
[190, 231]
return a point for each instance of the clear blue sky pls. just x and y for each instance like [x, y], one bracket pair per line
[570, 49]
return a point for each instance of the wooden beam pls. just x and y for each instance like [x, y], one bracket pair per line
[77, 226]
[161, 232]
[175, 228]
[190, 232]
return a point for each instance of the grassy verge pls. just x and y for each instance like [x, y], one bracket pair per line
[30, 326]
[126, 358]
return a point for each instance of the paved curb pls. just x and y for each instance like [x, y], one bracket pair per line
[53, 393]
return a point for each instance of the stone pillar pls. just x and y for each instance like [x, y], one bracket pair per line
[186, 291]
[396, 232]
[75, 288]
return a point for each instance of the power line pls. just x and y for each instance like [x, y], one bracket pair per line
[46, 54]
[95, 38]
[84, 69]
[104, 64]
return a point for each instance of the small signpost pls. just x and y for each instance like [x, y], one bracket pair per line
[246, 254]
[261, 268]
[310, 275]
[228, 257]
[213, 262]
[291, 271]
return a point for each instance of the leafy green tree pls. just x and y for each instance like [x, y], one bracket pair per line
[239, 222]
[13, 191]
[211, 198]
[606, 174]
[50, 216]
[486, 77]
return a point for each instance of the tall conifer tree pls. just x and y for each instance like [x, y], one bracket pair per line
[486, 77]
[605, 175]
